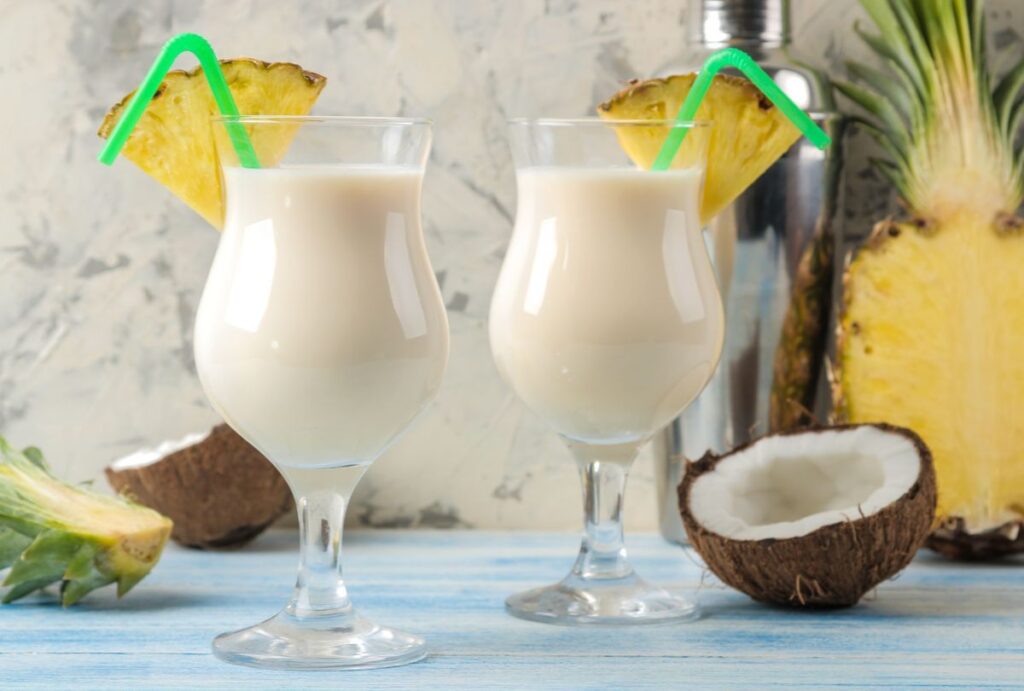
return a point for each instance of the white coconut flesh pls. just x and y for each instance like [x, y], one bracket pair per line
[787, 486]
[145, 457]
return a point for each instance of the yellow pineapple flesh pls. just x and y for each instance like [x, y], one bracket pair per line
[173, 141]
[748, 133]
[931, 340]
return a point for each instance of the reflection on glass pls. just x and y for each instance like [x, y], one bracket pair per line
[250, 291]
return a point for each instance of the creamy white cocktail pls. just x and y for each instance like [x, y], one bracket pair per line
[320, 336]
[606, 321]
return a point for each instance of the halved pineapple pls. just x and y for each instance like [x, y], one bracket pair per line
[173, 141]
[934, 305]
[748, 132]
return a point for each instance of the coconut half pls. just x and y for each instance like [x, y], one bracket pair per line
[953, 539]
[811, 518]
[217, 488]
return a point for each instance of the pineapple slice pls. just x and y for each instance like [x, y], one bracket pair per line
[173, 141]
[51, 532]
[748, 132]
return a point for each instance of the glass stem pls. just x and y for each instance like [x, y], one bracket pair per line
[321, 497]
[604, 470]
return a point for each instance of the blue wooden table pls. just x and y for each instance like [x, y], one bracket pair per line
[938, 624]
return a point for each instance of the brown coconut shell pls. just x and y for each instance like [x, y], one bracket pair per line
[220, 492]
[952, 539]
[833, 566]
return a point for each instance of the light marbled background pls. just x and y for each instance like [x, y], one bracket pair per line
[101, 269]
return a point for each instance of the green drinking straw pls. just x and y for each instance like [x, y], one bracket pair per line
[200, 47]
[736, 59]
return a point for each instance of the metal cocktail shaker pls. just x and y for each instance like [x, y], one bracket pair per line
[773, 252]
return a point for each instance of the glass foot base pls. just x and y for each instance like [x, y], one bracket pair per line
[615, 602]
[286, 642]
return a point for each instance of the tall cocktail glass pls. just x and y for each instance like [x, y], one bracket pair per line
[607, 322]
[320, 337]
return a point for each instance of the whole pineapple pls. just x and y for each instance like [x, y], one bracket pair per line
[933, 320]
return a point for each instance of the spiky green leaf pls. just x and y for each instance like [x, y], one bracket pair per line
[1007, 94]
[83, 563]
[25, 588]
[36, 456]
[1012, 128]
[892, 124]
[889, 171]
[19, 525]
[977, 31]
[74, 590]
[911, 33]
[127, 581]
[45, 559]
[887, 87]
[898, 160]
[82, 575]
[12, 544]
[896, 42]
[975, 27]
[903, 76]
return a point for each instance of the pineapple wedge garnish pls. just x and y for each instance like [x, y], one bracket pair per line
[748, 133]
[934, 303]
[52, 532]
[173, 141]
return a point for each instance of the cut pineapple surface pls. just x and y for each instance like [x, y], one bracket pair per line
[748, 133]
[931, 340]
[55, 533]
[173, 141]
[934, 307]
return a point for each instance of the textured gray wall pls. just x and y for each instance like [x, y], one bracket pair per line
[101, 269]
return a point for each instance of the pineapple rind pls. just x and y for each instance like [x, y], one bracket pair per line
[803, 337]
[51, 532]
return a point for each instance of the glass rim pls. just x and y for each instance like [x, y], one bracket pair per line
[615, 122]
[353, 120]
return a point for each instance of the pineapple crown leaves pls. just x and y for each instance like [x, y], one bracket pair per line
[55, 556]
[51, 532]
[949, 136]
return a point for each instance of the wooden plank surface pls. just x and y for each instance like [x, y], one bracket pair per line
[937, 625]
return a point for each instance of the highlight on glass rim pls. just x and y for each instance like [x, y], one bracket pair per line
[422, 285]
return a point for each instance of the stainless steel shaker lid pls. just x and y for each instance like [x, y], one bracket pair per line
[721, 23]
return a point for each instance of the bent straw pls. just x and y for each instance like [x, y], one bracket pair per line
[200, 47]
[736, 59]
